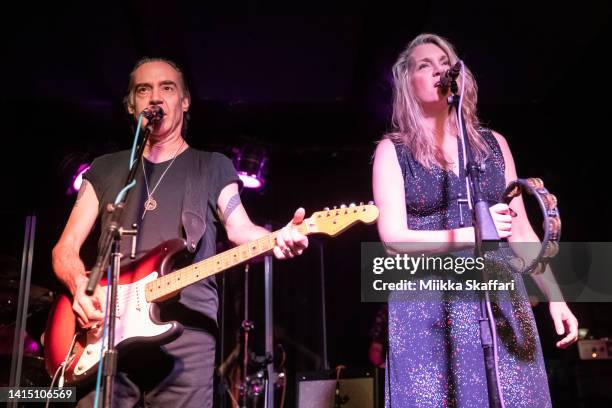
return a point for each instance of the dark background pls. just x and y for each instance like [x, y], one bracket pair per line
[312, 85]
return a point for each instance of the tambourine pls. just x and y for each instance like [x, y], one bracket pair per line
[551, 222]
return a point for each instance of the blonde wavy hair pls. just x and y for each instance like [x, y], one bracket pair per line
[408, 118]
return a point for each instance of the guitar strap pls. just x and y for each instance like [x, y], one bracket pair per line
[195, 200]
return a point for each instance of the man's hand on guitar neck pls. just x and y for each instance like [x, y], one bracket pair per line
[290, 242]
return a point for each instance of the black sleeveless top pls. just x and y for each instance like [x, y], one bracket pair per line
[107, 175]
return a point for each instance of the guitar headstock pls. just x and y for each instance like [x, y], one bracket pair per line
[334, 221]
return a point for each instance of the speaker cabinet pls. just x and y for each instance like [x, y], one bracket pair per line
[318, 389]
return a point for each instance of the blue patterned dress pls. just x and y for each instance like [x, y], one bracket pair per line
[435, 355]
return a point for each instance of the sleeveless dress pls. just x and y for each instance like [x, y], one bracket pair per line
[435, 354]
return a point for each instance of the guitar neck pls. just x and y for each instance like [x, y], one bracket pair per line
[168, 285]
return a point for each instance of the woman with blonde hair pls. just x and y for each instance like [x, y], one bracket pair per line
[435, 355]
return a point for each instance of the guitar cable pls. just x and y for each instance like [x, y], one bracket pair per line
[60, 382]
[119, 198]
[62, 368]
[104, 333]
[123, 192]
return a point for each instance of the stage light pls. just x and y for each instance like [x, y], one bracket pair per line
[250, 162]
[77, 179]
[71, 168]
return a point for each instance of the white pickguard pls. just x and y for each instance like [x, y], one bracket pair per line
[132, 320]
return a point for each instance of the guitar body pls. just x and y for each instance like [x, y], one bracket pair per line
[137, 320]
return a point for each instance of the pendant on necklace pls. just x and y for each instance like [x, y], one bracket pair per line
[150, 204]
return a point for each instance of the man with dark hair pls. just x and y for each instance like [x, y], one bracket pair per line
[179, 373]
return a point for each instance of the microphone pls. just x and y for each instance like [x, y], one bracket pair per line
[450, 75]
[153, 113]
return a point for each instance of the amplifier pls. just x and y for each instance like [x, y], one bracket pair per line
[600, 349]
[318, 389]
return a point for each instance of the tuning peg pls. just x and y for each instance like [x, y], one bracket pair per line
[343, 206]
[326, 209]
[335, 207]
[370, 202]
[360, 203]
[351, 205]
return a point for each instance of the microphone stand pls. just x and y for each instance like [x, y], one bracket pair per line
[111, 248]
[485, 233]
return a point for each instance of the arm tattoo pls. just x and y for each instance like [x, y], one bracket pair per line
[232, 204]
[81, 192]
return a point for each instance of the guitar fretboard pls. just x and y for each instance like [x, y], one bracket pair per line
[168, 285]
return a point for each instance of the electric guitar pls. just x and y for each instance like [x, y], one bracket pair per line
[148, 281]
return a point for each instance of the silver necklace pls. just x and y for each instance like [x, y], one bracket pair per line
[150, 204]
